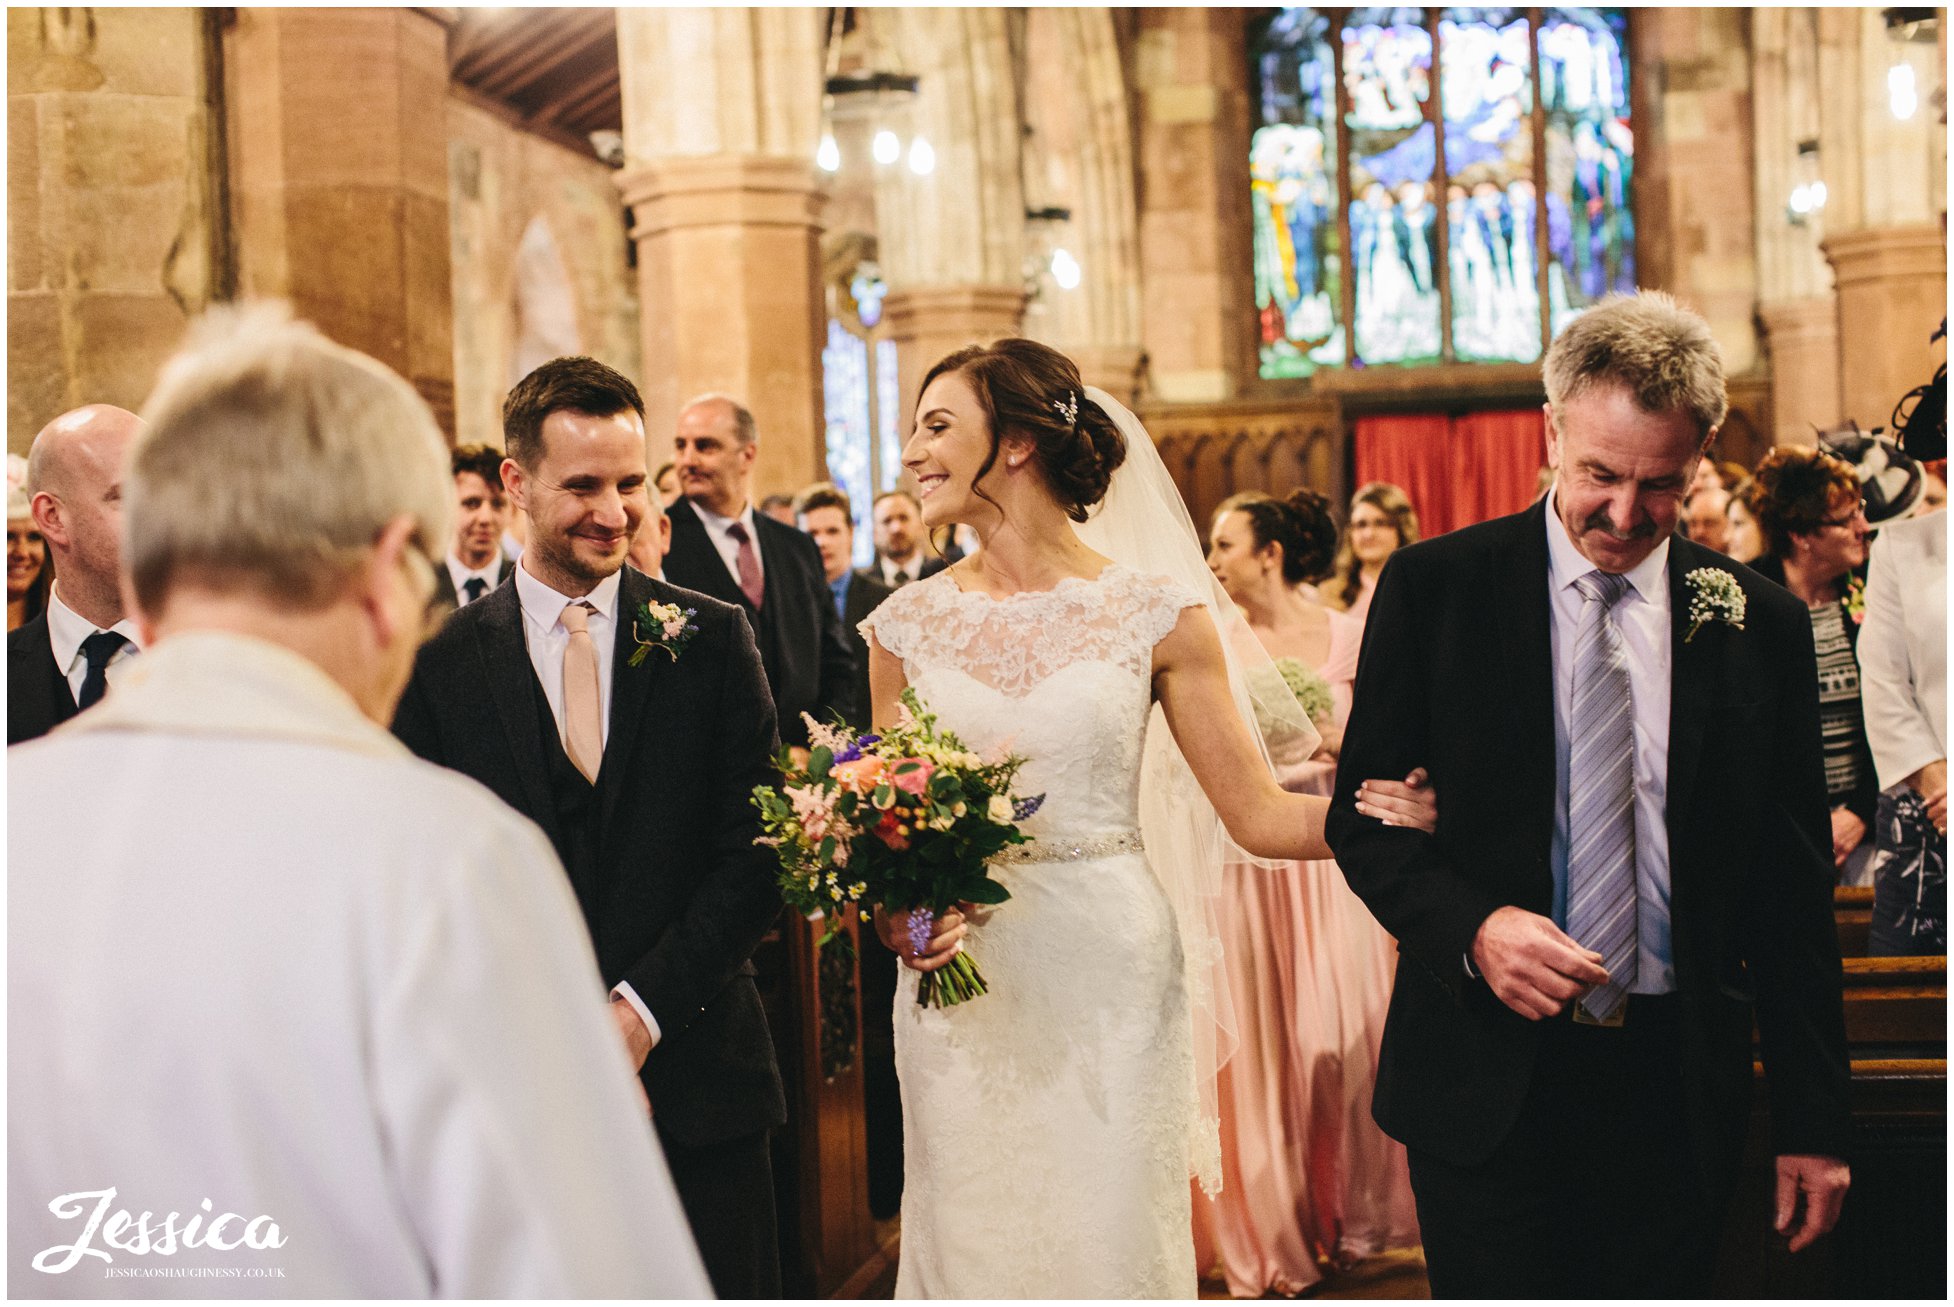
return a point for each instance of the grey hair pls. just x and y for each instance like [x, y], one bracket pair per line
[745, 429]
[1647, 342]
[272, 461]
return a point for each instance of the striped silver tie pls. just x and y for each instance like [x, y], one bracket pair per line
[1601, 795]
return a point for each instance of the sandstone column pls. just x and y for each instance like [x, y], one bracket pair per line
[1892, 294]
[928, 323]
[1803, 338]
[338, 125]
[1197, 304]
[721, 120]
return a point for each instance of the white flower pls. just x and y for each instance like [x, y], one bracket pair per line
[999, 810]
[1714, 596]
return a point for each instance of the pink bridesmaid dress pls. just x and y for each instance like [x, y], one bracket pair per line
[1307, 1176]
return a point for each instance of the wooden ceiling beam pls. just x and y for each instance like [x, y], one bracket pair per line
[511, 75]
[577, 95]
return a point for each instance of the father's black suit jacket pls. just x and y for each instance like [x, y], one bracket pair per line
[809, 666]
[38, 696]
[1456, 675]
[675, 893]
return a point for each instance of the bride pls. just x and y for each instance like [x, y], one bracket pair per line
[1050, 1126]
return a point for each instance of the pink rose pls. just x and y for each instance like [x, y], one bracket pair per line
[912, 775]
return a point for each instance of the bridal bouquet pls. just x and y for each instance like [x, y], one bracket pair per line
[907, 820]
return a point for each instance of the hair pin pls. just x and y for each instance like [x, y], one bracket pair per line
[1068, 408]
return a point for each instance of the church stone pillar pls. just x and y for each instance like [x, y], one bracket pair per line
[729, 267]
[1803, 338]
[338, 130]
[929, 322]
[722, 113]
[1892, 293]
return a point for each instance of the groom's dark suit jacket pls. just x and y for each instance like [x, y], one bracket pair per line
[1456, 675]
[809, 667]
[662, 857]
[38, 695]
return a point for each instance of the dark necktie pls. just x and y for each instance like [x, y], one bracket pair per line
[475, 587]
[751, 583]
[97, 649]
[901, 578]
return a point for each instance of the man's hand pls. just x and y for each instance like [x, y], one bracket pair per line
[1930, 783]
[893, 928]
[1531, 964]
[1821, 1182]
[637, 1039]
[1847, 831]
[1411, 802]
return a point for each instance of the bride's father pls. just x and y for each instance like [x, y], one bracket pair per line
[1631, 864]
[633, 741]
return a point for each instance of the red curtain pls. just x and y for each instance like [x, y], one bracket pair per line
[1457, 470]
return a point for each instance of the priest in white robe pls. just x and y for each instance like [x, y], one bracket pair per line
[290, 1012]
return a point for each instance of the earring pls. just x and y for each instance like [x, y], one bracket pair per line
[1015, 462]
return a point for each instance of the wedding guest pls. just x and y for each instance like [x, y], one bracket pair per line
[1571, 1049]
[722, 547]
[1381, 522]
[68, 658]
[665, 482]
[1742, 540]
[371, 1024]
[1307, 1177]
[475, 563]
[899, 540]
[1934, 497]
[653, 541]
[1706, 517]
[825, 512]
[779, 507]
[635, 744]
[28, 573]
[1813, 519]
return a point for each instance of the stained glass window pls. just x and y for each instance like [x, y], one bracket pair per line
[862, 430]
[1373, 124]
[1293, 187]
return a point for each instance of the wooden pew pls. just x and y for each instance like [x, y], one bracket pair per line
[1853, 908]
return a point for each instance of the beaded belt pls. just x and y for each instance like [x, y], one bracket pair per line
[1063, 850]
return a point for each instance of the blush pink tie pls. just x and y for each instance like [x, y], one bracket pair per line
[583, 719]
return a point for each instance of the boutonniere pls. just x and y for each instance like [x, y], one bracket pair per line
[1714, 596]
[665, 627]
[1854, 601]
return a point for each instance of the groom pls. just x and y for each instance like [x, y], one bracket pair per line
[639, 775]
[1631, 866]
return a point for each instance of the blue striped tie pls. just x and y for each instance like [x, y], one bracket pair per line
[1601, 795]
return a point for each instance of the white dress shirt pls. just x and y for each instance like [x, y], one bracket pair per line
[719, 531]
[461, 574]
[544, 634]
[66, 630]
[1903, 647]
[280, 964]
[1642, 617]
[913, 569]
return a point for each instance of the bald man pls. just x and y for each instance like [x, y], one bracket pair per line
[65, 659]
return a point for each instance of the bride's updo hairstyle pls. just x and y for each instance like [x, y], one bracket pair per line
[1301, 524]
[1033, 391]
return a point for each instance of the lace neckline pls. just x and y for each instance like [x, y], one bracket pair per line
[1063, 584]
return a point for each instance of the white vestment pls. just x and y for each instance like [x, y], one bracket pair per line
[265, 962]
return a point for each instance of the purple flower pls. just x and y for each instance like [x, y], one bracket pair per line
[851, 753]
[921, 926]
[1024, 809]
[869, 741]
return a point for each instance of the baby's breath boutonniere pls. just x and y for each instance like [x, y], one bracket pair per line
[1714, 596]
[666, 627]
[1855, 600]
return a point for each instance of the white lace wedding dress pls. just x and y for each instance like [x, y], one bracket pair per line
[1046, 1124]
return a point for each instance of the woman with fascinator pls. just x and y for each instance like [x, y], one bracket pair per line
[1050, 1127]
